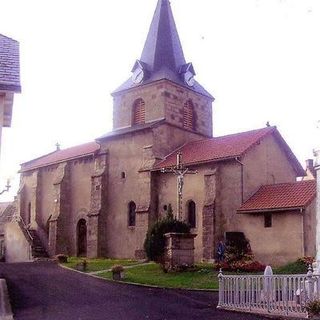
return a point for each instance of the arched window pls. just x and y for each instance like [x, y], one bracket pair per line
[131, 214]
[138, 112]
[82, 238]
[29, 213]
[188, 115]
[191, 208]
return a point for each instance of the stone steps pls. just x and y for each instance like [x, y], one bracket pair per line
[38, 251]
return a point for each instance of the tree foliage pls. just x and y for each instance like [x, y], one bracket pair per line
[155, 241]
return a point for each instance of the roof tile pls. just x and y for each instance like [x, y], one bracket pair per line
[61, 156]
[282, 196]
[216, 149]
[9, 64]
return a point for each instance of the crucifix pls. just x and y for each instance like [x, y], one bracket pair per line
[180, 171]
[317, 168]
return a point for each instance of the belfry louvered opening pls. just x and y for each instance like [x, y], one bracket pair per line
[138, 112]
[188, 115]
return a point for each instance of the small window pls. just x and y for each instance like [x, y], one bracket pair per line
[123, 175]
[131, 214]
[191, 207]
[267, 220]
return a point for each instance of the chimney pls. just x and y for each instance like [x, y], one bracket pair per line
[310, 169]
[309, 165]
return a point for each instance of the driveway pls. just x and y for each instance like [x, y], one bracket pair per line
[45, 291]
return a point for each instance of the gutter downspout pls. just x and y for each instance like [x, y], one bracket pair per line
[242, 178]
[303, 233]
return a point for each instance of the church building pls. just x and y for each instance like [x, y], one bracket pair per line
[99, 199]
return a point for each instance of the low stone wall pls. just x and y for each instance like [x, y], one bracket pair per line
[17, 247]
[179, 250]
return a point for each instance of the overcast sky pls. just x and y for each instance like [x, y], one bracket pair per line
[259, 58]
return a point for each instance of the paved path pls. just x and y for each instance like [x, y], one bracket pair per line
[125, 267]
[45, 291]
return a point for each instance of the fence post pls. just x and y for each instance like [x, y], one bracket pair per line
[310, 288]
[221, 289]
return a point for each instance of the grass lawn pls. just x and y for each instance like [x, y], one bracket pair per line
[98, 264]
[204, 277]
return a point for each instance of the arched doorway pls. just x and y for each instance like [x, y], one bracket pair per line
[82, 238]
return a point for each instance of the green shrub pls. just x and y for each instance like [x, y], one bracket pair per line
[313, 307]
[237, 247]
[155, 241]
[238, 256]
[299, 266]
[117, 268]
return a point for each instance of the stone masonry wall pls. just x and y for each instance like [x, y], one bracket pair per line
[175, 98]
[163, 99]
[208, 215]
[97, 215]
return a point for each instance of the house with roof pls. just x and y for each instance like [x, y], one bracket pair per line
[9, 78]
[100, 198]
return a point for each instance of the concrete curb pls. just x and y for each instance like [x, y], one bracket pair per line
[5, 306]
[125, 267]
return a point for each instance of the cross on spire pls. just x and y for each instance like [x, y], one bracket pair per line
[180, 171]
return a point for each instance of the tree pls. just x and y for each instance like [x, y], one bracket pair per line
[155, 241]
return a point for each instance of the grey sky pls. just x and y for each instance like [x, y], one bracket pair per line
[259, 58]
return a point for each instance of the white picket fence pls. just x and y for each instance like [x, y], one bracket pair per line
[284, 295]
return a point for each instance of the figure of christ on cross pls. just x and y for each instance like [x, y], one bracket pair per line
[180, 171]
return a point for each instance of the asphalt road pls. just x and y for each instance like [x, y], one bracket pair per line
[45, 291]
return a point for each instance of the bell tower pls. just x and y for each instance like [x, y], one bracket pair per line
[163, 86]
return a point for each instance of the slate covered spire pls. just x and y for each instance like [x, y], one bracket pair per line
[163, 47]
[162, 56]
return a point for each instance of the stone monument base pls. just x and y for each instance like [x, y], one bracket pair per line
[179, 251]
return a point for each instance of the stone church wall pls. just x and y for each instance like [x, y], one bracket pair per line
[167, 138]
[46, 196]
[125, 184]
[266, 163]
[175, 98]
[194, 189]
[153, 97]
[80, 191]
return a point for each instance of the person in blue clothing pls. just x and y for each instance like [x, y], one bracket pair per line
[220, 251]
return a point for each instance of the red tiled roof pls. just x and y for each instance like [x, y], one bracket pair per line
[61, 155]
[215, 149]
[284, 196]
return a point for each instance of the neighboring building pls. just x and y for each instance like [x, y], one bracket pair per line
[7, 210]
[99, 198]
[9, 78]
[286, 209]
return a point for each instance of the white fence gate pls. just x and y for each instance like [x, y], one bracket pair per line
[285, 295]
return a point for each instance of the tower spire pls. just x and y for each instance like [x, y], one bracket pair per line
[163, 47]
[162, 56]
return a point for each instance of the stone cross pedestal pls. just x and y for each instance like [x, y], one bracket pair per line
[179, 250]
